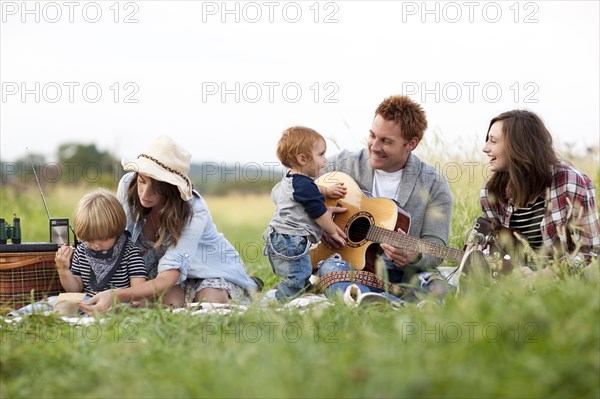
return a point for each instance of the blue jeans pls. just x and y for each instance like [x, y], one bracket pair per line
[336, 264]
[290, 258]
[427, 282]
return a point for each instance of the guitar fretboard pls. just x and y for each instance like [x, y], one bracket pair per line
[409, 243]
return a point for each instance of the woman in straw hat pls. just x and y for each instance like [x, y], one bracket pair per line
[186, 257]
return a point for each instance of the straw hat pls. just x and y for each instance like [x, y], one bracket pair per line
[165, 161]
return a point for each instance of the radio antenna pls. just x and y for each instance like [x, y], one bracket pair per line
[38, 183]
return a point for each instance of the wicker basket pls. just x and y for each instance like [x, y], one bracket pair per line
[26, 275]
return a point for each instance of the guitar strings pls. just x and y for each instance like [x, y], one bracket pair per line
[394, 238]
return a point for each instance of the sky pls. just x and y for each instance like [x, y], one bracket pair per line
[224, 79]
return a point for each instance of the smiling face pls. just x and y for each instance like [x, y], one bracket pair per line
[495, 148]
[387, 148]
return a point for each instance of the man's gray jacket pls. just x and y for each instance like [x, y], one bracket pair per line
[423, 193]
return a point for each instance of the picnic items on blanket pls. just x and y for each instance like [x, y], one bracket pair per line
[27, 274]
[354, 297]
[67, 304]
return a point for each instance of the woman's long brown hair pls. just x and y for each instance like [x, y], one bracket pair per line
[174, 216]
[530, 155]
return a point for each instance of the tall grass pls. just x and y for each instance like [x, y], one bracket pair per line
[517, 338]
[513, 340]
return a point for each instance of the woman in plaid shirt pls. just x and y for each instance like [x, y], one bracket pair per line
[548, 202]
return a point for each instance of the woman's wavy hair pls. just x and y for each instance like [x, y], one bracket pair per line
[530, 155]
[174, 216]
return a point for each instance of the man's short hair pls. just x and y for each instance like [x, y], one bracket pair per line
[407, 113]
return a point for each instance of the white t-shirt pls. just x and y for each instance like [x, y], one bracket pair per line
[387, 185]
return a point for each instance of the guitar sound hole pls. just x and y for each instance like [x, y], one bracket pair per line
[358, 229]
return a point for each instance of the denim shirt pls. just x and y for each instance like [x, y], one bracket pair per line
[201, 252]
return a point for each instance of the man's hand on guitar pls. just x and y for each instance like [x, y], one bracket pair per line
[398, 256]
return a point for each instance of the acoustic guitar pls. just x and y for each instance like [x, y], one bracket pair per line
[369, 222]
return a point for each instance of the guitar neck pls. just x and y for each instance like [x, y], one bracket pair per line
[409, 243]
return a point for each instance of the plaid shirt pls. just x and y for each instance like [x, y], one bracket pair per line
[570, 210]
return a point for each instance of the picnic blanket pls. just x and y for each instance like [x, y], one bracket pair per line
[304, 303]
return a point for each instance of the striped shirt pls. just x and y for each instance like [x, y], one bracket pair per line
[132, 265]
[526, 221]
[570, 211]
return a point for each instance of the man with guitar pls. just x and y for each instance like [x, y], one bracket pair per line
[387, 168]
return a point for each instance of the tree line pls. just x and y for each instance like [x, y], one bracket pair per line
[78, 163]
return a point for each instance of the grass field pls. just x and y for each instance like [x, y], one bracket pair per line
[536, 338]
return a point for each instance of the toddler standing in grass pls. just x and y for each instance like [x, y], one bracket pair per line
[301, 215]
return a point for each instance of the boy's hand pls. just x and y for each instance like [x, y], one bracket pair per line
[336, 191]
[63, 257]
[327, 238]
[338, 237]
